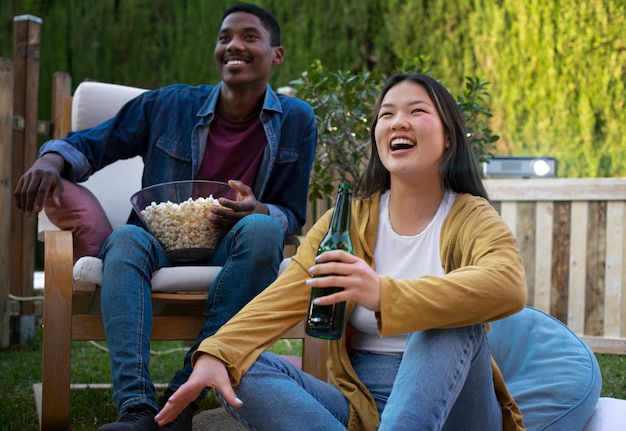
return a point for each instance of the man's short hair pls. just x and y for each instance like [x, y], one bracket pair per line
[267, 19]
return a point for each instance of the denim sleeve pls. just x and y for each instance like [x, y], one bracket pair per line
[77, 166]
[281, 216]
[122, 137]
[288, 193]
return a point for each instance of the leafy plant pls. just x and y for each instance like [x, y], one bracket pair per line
[342, 102]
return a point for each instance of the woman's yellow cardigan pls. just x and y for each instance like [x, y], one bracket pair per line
[484, 281]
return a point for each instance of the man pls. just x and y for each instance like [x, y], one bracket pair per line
[238, 131]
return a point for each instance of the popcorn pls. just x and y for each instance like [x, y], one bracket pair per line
[184, 225]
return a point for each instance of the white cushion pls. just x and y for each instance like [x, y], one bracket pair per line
[114, 185]
[88, 270]
[609, 415]
[167, 280]
[95, 102]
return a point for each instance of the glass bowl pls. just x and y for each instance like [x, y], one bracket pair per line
[176, 213]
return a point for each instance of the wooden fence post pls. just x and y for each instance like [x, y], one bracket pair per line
[6, 125]
[61, 90]
[26, 47]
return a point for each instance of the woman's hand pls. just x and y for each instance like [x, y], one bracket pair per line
[208, 371]
[338, 268]
[232, 211]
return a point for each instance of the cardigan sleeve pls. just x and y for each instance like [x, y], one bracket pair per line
[269, 315]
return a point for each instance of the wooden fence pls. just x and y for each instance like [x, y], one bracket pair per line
[571, 234]
[19, 128]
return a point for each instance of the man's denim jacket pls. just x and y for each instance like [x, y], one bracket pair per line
[169, 127]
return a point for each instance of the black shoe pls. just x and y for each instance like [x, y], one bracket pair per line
[184, 421]
[138, 418]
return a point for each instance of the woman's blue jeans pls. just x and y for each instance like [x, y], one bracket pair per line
[443, 381]
[250, 255]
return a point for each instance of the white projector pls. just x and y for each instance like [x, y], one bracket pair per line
[519, 167]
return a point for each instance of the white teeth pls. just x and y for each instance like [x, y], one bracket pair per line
[235, 62]
[401, 143]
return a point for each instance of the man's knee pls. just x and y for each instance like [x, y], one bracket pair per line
[260, 227]
[126, 238]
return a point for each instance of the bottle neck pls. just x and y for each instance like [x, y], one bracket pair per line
[340, 221]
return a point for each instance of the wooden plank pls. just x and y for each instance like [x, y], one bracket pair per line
[623, 275]
[614, 262]
[508, 212]
[66, 117]
[543, 255]
[314, 357]
[596, 252]
[6, 194]
[559, 279]
[61, 90]
[577, 267]
[608, 345]
[525, 233]
[557, 189]
[89, 327]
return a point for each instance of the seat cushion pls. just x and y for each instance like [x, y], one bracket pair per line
[552, 374]
[166, 280]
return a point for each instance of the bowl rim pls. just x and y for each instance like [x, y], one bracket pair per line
[153, 186]
[182, 181]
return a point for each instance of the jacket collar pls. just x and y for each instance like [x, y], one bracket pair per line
[270, 103]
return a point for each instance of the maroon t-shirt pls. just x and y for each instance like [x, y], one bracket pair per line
[234, 150]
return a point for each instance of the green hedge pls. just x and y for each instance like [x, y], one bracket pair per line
[557, 69]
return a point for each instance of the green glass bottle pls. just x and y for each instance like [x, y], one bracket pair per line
[326, 321]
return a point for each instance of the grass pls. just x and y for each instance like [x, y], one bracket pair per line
[20, 367]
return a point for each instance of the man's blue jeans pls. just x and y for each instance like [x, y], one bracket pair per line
[443, 381]
[250, 255]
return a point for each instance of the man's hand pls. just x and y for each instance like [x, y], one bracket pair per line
[43, 179]
[208, 371]
[232, 211]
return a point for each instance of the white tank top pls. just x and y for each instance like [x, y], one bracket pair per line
[400, 257]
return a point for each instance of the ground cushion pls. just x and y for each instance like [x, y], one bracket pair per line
[552, 374]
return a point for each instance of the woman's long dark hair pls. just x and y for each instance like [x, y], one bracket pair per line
[459, 169]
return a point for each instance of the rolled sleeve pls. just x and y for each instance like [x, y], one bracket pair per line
[77, 166]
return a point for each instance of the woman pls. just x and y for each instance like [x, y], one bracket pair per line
[432, 263]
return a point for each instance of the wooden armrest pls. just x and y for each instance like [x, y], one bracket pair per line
[293, 240]
[57, 320]
[179, 296]
[58, 255]
[59, 265]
